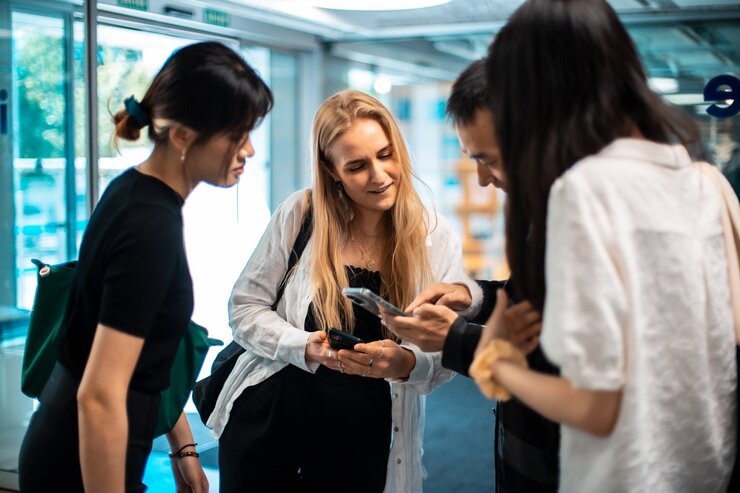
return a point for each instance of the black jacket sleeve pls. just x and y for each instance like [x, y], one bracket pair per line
[489, 289]
[463, 337]
[460, 344]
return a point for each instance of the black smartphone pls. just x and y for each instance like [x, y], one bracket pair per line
[339, 339]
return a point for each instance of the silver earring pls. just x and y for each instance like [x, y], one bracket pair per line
[344, 201]
[182, 156]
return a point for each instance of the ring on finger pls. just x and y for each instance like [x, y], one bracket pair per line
[370, 363]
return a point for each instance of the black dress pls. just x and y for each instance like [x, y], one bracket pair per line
[132, 275]
[322, 432]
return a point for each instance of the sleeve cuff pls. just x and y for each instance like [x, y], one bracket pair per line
[423, 369]
[293, 349]
[476, 293]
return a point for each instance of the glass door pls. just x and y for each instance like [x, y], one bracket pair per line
[42, 193]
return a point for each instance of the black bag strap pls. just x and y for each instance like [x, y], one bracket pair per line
[295, 254]
[226, 357]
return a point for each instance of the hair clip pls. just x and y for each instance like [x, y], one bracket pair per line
[134, 109]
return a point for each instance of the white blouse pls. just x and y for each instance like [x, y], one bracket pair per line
[638, 300]
[275, 339]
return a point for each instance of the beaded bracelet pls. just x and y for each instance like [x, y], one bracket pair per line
[180, 454]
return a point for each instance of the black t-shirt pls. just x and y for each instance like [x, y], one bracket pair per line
[133, 276]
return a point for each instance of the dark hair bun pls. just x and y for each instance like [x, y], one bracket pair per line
[127, 127]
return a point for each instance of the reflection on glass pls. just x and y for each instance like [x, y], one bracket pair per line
[127, 61]
[40, 146]
[48, 93]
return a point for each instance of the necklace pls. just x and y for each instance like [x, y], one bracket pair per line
[370, 262]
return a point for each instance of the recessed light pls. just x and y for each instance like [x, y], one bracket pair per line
[375, 4]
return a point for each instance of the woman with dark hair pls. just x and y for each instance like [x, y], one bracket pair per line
[617, 236]
[132, 296]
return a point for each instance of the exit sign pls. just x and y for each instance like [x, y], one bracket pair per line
[216, 17]
[134, 4]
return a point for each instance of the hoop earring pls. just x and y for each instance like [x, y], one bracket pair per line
[344, 201]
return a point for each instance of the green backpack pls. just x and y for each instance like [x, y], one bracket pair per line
[39, 355]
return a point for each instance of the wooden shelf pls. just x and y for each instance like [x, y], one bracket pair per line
[474, 255]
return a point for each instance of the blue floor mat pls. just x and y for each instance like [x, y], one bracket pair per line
[158, 475]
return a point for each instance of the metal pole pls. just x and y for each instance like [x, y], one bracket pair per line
[91, 76]
[70, 170]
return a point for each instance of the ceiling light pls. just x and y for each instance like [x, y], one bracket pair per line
[376, 4]
[663, 85]
[685, 99]
[359, 79]
[382, 85]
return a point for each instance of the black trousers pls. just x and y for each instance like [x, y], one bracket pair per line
[303, 432]
[50, 453]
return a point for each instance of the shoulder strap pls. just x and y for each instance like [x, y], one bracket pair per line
[731, 233]
[295, 254]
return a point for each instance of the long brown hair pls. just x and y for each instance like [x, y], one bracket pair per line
[565, 81]
[405, 266]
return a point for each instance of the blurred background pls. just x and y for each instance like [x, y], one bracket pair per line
[66, 66]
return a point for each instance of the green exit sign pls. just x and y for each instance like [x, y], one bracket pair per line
[134, 4]
[216, 17]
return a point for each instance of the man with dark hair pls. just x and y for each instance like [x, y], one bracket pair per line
[526, 444]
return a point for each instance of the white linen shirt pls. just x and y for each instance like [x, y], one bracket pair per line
[638, 300]
[275, 339]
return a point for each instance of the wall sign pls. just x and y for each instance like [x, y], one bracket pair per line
[715, 91]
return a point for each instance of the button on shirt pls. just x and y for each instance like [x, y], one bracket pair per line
[638, 300]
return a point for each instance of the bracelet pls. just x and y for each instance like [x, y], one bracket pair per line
[481, 369]
[180, 454]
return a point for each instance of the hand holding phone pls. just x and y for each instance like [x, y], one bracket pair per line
[371, 301]
[338, 339]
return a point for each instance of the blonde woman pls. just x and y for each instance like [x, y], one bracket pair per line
[295, 414]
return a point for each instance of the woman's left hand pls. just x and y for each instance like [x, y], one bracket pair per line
[378, 359]
[189, 475]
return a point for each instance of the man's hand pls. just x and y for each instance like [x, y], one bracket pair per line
[427, 328]
[519, 324]
[454, 296]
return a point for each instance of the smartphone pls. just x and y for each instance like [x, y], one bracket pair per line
[371, 301]
[339, 339]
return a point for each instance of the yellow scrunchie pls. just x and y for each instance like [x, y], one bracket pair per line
[480, 369]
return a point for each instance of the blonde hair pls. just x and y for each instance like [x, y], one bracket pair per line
[405, 265]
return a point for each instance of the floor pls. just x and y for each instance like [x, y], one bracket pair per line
[458, 453]
[457, 444]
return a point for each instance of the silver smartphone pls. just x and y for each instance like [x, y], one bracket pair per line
[371, 301]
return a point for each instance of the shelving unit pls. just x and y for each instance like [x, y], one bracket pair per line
[475, 202]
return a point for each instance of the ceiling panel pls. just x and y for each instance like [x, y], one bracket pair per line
[455, 12]
[704, 3]
[690, 41]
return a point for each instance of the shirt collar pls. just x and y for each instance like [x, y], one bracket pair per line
[672, 156]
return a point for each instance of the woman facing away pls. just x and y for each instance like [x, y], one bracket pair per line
[296, 415]
[617, 235]
[132, 297]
